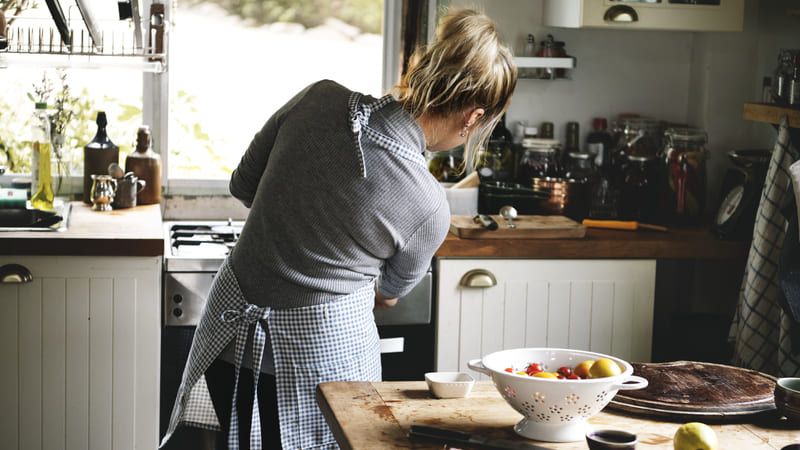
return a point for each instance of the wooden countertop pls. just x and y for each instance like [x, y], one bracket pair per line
[690, 243]
[125, 232]
[365, 415]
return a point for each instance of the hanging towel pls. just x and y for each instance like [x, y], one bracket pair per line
[761, 330]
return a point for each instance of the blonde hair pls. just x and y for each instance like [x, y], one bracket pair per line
[465, 67]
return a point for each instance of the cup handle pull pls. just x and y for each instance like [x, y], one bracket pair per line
[15, 273]
[478, 278]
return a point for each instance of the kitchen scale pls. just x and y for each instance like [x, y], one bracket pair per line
[741, 193]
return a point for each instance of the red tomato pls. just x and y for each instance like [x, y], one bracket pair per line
[561, 377]
[534, 368]
[564, 370]
[509, 370]
[573, 377]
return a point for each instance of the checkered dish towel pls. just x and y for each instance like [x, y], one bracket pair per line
[761, 329]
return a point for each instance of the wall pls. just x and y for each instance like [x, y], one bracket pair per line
[698, 78]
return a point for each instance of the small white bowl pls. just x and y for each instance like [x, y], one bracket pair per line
[449, 384]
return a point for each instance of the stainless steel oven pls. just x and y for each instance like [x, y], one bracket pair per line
[194, 251]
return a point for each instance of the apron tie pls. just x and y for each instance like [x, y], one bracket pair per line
[243, 319]
[359, 120]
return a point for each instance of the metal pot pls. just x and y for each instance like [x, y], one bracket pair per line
[568, 197]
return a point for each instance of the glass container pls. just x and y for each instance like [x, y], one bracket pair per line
[446, 165]
[539, 160]
[640, 188]
[684, 158]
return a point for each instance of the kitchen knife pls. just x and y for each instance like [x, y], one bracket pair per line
[458, 438]
[486, 221]
[621, 225]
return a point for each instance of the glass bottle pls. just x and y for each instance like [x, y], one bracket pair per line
[793, 94]
[781, 77]
[97, 156]
[580, 172]
[496, 160]
[685, 166]
[41, 152]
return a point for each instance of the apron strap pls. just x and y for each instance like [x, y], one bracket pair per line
[252, 314]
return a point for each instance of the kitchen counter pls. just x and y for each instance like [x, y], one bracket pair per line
[125, 232]
[371, 416]
[689, 243]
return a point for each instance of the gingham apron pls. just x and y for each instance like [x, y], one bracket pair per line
[761, 329]
[336, 341]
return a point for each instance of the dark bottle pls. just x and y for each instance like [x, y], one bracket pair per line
[145, 164]
[97, 156]
[496, 160]
[600, 143]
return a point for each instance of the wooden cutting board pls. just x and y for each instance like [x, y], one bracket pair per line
[527, 227]
[688, 390]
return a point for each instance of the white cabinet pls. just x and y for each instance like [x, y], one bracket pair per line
[602, 306]
[725, 15]
[79, 346]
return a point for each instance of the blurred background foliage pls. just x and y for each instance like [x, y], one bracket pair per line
[366, 15]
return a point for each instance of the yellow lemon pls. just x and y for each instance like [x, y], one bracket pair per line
[695, 436]
[546, 375]
[604, 367]
[582, 369]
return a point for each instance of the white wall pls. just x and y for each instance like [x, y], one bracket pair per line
[701, 79]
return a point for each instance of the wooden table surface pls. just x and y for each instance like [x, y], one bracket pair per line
[365, 415]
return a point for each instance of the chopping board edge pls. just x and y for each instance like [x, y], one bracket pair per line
[527, 227]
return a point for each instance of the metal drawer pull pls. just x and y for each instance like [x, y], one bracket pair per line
[478, 278]
[15, 273]
[621, 13]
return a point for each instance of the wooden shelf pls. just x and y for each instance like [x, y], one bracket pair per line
[762, 112]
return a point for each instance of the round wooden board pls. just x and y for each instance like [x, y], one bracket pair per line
[690, 389]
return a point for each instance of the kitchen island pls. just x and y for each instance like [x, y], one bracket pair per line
[376, 416]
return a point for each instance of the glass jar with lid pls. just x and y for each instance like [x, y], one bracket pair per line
[636, 136]
[539, 160]
[685, 167]
[496, 161]
[446, 166]
[580, 172]
[639, 189]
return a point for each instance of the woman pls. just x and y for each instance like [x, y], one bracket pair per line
[344, 218]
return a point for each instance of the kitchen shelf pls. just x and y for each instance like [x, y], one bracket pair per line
[763, 112]
[524, 64]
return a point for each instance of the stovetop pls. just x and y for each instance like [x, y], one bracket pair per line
[192, 246]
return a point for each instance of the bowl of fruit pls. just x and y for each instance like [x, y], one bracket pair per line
[556, 389]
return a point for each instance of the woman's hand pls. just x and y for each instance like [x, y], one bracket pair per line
[382, 301]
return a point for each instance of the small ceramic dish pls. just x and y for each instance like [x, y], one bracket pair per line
[449, 384]
[611, 440]
[787, 397]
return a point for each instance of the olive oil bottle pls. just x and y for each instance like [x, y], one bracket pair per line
[41, 173]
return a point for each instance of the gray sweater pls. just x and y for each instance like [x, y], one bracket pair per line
[317, 229]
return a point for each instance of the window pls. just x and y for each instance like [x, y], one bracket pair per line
[230, 69]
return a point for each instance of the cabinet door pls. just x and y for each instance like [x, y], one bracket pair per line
[79, 347]
[603, 306]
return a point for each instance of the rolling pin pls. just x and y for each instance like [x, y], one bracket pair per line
[621, 225]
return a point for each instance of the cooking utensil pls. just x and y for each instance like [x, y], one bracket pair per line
[509, 213]
[486, 221]
[457, 438]
[621, 225]
[554, 410]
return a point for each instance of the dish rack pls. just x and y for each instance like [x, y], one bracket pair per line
[31, 41]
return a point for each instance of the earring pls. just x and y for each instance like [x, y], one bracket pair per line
[464, 131]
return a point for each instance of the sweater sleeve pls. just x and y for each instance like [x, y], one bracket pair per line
[404, 270]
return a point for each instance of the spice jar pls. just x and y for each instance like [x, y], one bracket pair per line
[639, 189]
[539, 160]
[550, 48]
[685, 166]
[446, 165]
